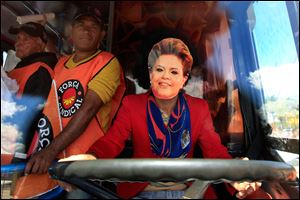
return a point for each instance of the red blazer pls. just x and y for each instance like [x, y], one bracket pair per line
[131, 122]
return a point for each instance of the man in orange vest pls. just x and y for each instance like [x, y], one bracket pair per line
[35, 70]
[89, 88]
[33, 75]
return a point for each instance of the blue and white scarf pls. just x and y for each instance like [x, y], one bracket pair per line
[174, 139]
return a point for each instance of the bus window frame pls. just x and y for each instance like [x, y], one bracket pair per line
[245, 60]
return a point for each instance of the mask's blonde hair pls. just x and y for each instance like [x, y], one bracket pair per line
[175, 47]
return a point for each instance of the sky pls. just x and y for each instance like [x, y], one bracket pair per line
[277, 55]
[273, 34]
[15, 116]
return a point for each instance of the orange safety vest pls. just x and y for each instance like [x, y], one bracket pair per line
[71, 88]
[33, 185]
[23, 74]
[23, 188]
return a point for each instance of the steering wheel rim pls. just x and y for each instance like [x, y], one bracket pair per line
[144, 170]
[174, 170]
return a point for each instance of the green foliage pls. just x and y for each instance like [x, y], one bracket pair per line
[285, 112]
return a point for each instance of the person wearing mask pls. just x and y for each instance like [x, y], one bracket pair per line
[170, 125]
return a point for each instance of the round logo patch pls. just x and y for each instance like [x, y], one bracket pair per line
[45, 132]
[70, 97]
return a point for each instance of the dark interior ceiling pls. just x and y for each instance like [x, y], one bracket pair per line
[58, 27]
[130, 18]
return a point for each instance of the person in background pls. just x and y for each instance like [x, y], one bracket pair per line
[35, 70]
[33, 75]
[171, 124]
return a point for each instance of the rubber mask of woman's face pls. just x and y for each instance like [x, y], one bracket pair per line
[167, 77]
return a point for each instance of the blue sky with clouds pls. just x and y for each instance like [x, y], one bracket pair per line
[276, 51]
[273, 34]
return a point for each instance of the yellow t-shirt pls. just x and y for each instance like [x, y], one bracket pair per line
[104, 84]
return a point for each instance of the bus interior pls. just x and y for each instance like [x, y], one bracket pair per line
[246, 66]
